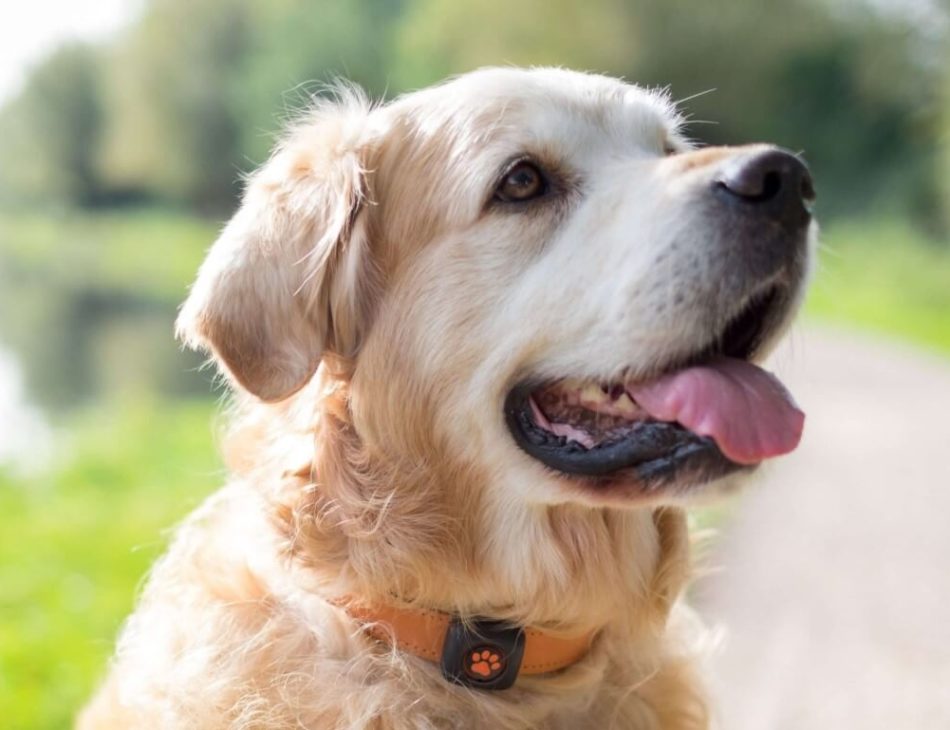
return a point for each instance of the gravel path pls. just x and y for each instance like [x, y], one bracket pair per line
[832, 578]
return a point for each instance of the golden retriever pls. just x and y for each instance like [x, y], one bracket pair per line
[485, 340]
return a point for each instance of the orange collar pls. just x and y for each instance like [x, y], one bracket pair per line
[478, 653]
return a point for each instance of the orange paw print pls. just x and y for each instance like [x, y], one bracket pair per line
[485, 663]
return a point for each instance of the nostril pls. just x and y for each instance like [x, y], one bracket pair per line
[756, 180]
[771, 186]
[776, 182]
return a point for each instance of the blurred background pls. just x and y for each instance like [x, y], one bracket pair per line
[125, 128]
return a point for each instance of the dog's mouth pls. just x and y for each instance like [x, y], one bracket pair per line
[700, 418]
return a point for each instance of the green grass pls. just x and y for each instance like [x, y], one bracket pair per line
[886, 277]
[75, 543]
[150, 252]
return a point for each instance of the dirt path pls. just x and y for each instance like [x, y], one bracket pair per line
[833, 576]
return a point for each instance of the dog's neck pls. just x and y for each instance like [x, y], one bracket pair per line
[398, 536]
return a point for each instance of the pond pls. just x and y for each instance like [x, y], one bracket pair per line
[25, 435]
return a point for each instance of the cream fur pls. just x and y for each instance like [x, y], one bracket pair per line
[372, 309]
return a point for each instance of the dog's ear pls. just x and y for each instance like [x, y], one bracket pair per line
[283, 283]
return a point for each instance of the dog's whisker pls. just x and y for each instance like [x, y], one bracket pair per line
[697, 95]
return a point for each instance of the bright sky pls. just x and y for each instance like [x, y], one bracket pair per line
[31, 28]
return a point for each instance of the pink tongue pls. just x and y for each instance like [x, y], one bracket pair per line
[747, 411]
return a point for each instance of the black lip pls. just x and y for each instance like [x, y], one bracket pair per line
[655, 453]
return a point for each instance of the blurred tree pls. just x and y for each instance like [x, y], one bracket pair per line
[943, 135]
[189, 98]
[51, 132]
[170, 130]
[436, 38]
[843, 84]
[198, 87]
[295, 48]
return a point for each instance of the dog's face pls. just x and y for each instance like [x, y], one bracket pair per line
[529, 275]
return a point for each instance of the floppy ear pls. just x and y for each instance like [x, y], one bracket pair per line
[282, 284]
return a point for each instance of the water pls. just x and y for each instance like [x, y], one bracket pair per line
[25, 436]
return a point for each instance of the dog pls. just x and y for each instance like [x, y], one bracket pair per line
[486, 341]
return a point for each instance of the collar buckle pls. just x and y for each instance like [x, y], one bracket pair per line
[482, 654]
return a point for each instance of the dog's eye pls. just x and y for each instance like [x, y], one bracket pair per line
[523, 182]
[668, 148]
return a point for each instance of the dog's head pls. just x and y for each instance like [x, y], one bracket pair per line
[527, 273]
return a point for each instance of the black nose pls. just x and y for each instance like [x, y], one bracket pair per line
[772, 182]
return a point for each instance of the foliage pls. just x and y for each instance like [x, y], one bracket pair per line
[943, 148]
[296, 48]
[197, 88]
[190, 97]
[170, 133]
[436, 38]
[51, 133]
[846, 88]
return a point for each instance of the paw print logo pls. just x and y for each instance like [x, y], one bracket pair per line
[485, 663]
